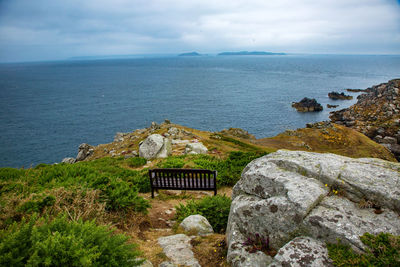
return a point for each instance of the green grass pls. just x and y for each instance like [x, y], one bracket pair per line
[382, 250]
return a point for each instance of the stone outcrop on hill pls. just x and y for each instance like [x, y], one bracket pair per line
[237, 132]
[179, 250]
[307, 105]
[84, 151]
[376, 114]
[318, 196]
[155, 146]
[339, 96]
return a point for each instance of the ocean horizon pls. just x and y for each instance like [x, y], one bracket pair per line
[48, 108]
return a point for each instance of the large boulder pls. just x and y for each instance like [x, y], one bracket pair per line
[322, 196]
[155, 146]
[198, 224]
[196, 148]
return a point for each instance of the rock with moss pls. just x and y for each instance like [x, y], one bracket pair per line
[303, 251]
[339, 96]
[290, 193]
[84, 151]
[197, 224]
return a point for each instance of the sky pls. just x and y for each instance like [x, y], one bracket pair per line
[34, 30]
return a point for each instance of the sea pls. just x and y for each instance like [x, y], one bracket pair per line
[48, 108]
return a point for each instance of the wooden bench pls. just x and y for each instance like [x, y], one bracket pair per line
[183, 179]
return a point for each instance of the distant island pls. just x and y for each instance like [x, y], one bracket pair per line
[190, 54]
[247, 53]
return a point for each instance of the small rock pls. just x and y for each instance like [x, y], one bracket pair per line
[68, 160]
[167, 121]
[146, 263]
[154, 126]
[389, 140]
[307, 105]
[197, 223]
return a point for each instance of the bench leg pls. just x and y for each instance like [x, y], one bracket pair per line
[152, 193]
[215, 192]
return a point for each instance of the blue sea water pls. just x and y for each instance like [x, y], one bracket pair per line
[47, 109]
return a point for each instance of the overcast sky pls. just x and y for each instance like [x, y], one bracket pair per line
[58, 29]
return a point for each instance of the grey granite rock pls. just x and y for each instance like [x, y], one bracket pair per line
[155, 146]
[291, 193]
[178, 249]
[198, 224]
[196, 148]
[302, 251]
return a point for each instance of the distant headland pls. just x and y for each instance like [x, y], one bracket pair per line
[253, 53]
[190, 54]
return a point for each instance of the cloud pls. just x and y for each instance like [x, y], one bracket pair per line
[94, 27]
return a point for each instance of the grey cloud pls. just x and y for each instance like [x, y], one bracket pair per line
[155, 26]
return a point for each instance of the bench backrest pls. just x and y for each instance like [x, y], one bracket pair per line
[183, 179]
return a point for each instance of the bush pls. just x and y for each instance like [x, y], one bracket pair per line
[136, 162]
[142, 181]
[382, 250]
[215, 209]
[173, 162]
[64, 243]
[37, 205]
[229, 170]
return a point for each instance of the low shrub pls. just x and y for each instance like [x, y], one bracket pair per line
[136, 162]
[173, 162]
[37, 205]
[215, 209]
[382, 250]
[60, 242]
[229, 170]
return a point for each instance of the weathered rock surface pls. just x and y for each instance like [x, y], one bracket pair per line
[291, 193]
[146, 263]
[198, 224]
[302, 251]
[331, 106]
[178, 249]
[155, 146]
[376, 114]
[307, 105]
[196, 148]
[84, 151]
[68, 160]
[120, 137]
[167, 264]
[339, 96]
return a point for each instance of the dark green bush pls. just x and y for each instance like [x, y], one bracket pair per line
[136, 162]
[37, 205]
[141, 181]
[382, 250]
[173, 162]
[215, 209]
[229, 170]
[64, 243]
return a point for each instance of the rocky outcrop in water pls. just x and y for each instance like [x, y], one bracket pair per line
[320, 197]
[376, 114]
[339, 96]
[307, 105]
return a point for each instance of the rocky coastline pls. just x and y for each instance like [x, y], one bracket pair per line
[376, 114]
[339, 96]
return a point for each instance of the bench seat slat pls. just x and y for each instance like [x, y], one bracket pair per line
[183, 179]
